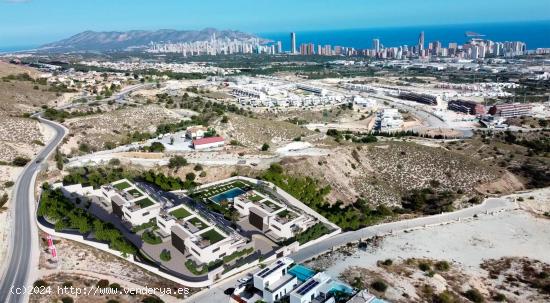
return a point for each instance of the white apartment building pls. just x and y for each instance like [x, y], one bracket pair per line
[131, 203]
[193, 234]
[389, 119]
[123, 198]
[272, 218]
[274, 281]
[315, 289]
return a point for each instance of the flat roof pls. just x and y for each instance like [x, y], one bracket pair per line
[208, 140]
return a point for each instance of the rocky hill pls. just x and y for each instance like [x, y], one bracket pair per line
[102, 41]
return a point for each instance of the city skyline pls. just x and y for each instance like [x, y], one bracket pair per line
[25, 22]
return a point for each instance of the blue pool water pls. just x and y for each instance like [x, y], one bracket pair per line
[301, 272]
[340, 287]
[228, 195]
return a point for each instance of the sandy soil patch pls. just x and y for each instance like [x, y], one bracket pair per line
[465, 245]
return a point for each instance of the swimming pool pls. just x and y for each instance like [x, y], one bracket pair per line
[336, 286]
[301, 272]
[227, 195]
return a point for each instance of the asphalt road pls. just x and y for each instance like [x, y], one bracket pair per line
[18, 263]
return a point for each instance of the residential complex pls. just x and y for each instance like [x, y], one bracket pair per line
[467, 107]
[511, 110]
[199, 235]
[388, 120]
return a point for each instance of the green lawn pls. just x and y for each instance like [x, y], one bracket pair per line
[145, 202]
[272, 205]
[255, 198]
[213, 236]
[135, 193]
[180, 213]
[122, 185]
[198, 223]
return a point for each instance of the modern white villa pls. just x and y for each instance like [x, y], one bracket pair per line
[191, 233]
[123, 198]
[283, 280]
[274, 219]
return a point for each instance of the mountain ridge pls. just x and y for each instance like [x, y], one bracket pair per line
[90, 40]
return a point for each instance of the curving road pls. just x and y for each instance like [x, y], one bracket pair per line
[23, 247]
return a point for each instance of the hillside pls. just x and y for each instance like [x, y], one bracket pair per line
[383, 172]
[100, 41]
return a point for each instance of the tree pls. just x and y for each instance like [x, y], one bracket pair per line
[190, 177]
[176, 162]
[379, 285]
[265, 147]
[225, 119]
[20, 161]
[157, 147]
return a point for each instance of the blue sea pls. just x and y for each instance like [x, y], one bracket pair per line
[536, 34]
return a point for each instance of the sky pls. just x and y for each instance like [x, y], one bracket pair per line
[34, 22]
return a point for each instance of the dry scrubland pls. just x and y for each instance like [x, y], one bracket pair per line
[253, 132]
[79, 262]
[17, 97]
[382, 172]
[19, 136]
[505, 254]
[114, 126]
[509, 279]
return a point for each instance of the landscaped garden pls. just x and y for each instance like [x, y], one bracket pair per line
[198, 223]
[135, 193]
[219, 189]
[180, 213]
[144, 203]
[212, 236]
[122, 186]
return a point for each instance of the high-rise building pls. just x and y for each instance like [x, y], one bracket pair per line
[293, 43]
[376, 45]
[421, 39]
[279, 47]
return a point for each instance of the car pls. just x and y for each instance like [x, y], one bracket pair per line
[39, 160]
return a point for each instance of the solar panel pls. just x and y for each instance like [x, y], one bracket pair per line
[263, 271]
[309, 285]
[279, 265]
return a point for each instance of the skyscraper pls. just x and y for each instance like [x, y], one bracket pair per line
[376, 45]
[421, 41]
[293, 43]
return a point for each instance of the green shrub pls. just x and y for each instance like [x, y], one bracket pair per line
[165, 255]
[442, 266]
[20, 161]
[67, 300]
[103, 283]
[424, 266]
[379, 285]
[499, 297]
[387, 262]
[40, 283]
[149, 237]
[474, 295]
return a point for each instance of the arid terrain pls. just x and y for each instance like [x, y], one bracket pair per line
[500, 256]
